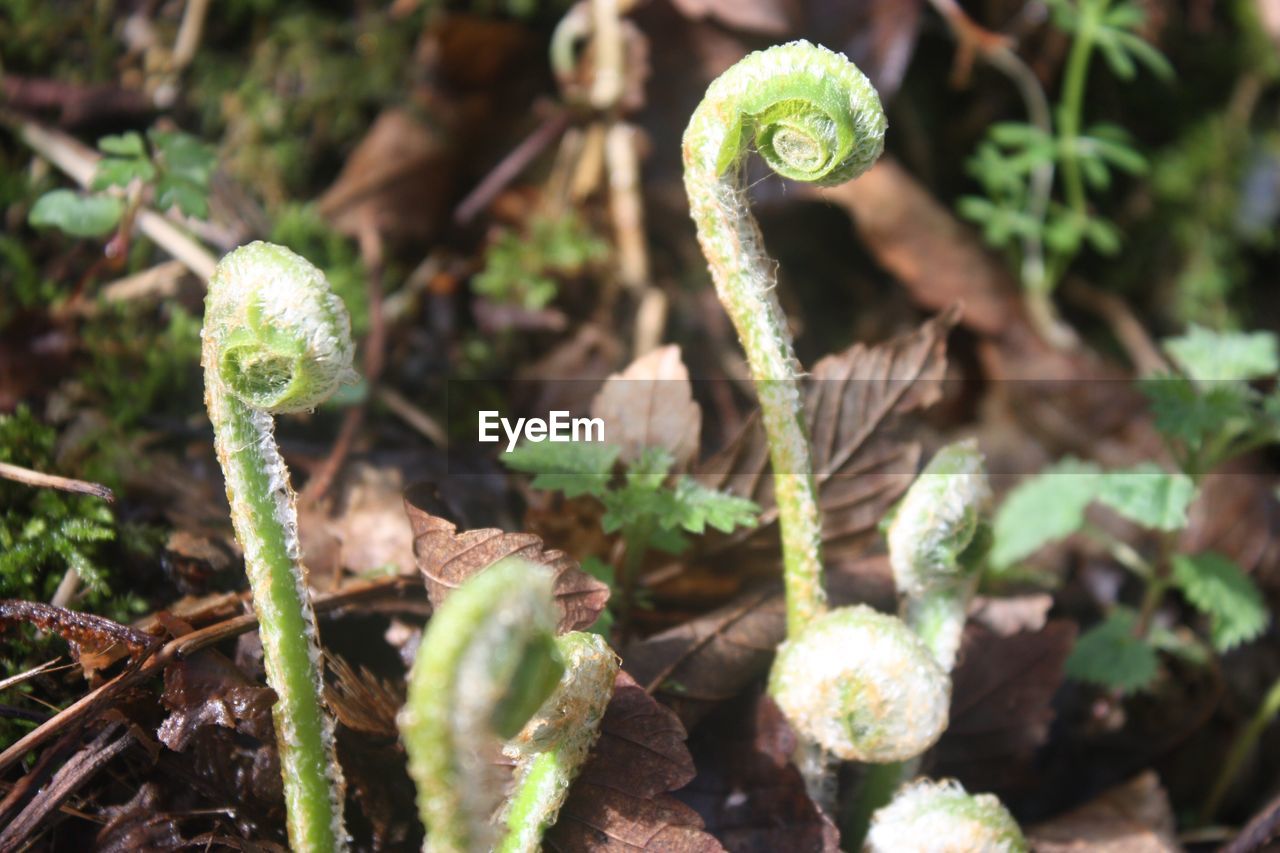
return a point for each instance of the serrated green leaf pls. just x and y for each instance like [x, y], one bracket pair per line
[128, 144]
[1148, 495]
[77, 215]
[1191, 413]
[1221, 590]
[1042, 509]
[650, 469]
[698, 507]
[1206, 356]
[1108, 654]
[575, 468]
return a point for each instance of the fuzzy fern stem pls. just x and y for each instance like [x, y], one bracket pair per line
[813, 116]
[277, 339]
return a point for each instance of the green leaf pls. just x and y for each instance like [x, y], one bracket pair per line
[1206, 355]
[1146, 54]
[1108, 654]
[125, 145]
[1191, 414]
[1221, 590]
[698, 507]
[184, 156]
[118, 172]
[186, 196]
[77, 215]
[575, 468]
[1117, 58]
[1102, 236]
[1042, 509]
[1148, 495]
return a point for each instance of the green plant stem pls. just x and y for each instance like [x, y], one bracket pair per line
[1158, 583]
[1240, 749]
[814, 117]
[308, 765]
[1071, 110]
[878, 785]
[276, 339]
[634, 538]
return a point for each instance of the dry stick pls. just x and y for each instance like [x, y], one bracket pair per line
[189, 33]
[69, 777]
[52, 481]
[181, 647]
[511, 166]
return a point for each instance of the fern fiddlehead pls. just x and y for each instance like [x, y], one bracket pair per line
[492, 678]
[277, 339]
[813, 116]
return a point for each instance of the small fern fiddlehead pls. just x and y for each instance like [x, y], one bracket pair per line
[813, 116]
[935, 540]
[277, 339]
[925, 814]
[862, 685]
[492, 678]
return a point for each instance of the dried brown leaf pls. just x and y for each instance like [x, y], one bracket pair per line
[1131, 818]
[620, 802]
[447, 557]
[650, 404]
[362, 701]
[1000, 702]
[710, 659]
[937, 258]
[96, 642]
[207, 689]
[855, 402]
[397, 179]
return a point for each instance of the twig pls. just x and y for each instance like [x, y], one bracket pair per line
[510, 166]
[66, 781]
[52, 481]
[1144, 354]
[177, 649]
[189, 33]
[413, 416]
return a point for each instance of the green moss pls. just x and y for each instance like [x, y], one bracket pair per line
[524, 269]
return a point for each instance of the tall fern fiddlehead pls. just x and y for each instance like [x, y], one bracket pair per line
[491, 678]
[277, 339]
[813, 116]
